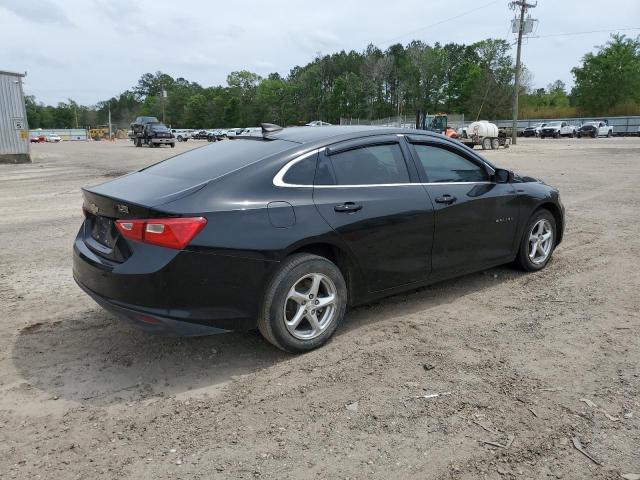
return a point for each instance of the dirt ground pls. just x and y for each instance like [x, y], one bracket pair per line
[525, 361]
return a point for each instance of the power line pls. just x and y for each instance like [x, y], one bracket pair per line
[468, 12]
[568, 34]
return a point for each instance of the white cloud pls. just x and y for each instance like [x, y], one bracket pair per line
[90, 51]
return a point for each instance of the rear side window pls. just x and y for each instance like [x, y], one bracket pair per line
[441, 165]
[370, 165]
[218, 159]
[302, 172]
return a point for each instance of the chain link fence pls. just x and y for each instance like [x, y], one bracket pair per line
[454, 121]
[629, 125]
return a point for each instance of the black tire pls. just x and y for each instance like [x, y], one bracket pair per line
[556, 135]
[138, 142]
[595, 134]
[180, 139]
[523, 260]
[271, 321]
[579, 136]
[173, 145]
[495, 143]
[610, 134]
[541, 136]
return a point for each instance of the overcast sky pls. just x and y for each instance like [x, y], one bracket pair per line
[92, 50]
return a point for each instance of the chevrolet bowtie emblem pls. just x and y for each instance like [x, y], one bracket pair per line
[122, 208]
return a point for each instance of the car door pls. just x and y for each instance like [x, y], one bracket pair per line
[475, 217]
[368, 193]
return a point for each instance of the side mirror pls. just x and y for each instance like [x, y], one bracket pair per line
[502, 176]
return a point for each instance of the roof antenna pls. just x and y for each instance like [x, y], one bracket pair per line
[268, 128]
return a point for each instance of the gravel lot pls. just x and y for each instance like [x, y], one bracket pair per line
[530, 360]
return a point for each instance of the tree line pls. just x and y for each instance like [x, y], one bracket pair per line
[476, 80]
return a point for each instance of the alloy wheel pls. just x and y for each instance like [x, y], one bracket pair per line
[310, 306]
[540, 241]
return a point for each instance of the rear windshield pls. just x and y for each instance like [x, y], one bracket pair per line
[218, 159]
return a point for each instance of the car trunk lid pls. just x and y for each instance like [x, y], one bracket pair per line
[133, 196]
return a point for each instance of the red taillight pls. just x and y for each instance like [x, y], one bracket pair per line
[165, 232]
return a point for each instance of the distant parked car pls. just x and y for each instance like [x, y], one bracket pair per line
[181, 135]
[37, 139]
[200, 134]
[233, 132]
[557, 130]
[595, 130]
[251, 132]
[533, 130]
[318, 123]
[53, 138]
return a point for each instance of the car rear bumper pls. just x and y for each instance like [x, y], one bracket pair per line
[184, 292]
[163, 140]
[150, 321]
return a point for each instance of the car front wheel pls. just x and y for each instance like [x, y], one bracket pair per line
[305, 302]
[538, 241]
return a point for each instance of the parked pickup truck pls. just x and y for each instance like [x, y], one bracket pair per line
[595, 130]
[149, 131]
[557, 130]
[181, 134]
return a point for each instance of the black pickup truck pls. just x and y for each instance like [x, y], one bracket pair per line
[150, 131]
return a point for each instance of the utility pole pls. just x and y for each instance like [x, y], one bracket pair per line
[109, 120]
[523, 6]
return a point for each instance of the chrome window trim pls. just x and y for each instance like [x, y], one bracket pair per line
[279, 182]
[278, 179]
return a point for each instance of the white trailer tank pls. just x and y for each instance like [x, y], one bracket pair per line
[484, 133]
[483, 129]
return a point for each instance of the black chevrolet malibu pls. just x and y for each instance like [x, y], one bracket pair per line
[287, 230]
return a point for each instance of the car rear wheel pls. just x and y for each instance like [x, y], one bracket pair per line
[609, 134]
[304, 303]
[538, 241]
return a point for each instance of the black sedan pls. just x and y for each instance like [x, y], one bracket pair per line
[286, 231]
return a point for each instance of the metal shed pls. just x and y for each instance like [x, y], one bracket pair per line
[14, 131]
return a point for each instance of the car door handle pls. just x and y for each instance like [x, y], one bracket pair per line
[347, 207]
[446, 199]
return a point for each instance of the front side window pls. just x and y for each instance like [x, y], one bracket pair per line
[441, 165]
[370, 165]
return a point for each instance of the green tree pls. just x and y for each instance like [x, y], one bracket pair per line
[609, 78]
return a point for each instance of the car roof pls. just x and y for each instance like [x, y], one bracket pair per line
[333, 133]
